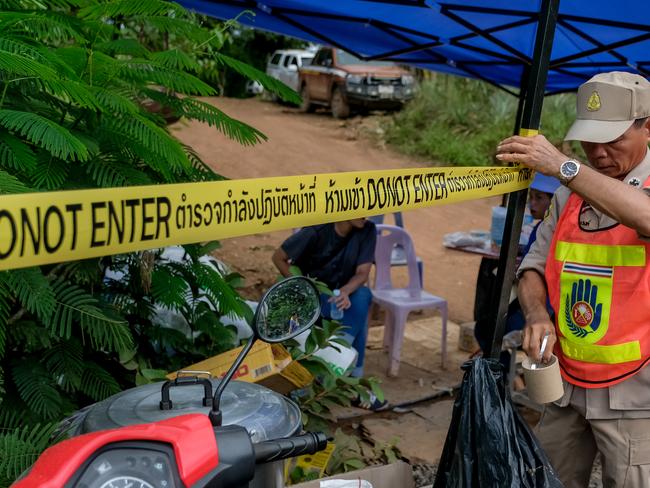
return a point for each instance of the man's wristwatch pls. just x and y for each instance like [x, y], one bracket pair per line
[568, 170]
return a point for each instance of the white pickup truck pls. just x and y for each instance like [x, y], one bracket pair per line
[284, 65]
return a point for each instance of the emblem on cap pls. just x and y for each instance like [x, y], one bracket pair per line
[593, 104]
[634, 181]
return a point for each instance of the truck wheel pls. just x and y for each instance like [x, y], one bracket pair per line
[306, 105]
[340, 106]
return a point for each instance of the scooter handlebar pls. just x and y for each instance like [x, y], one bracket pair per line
[274, 450]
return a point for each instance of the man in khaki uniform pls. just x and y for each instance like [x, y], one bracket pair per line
[591, 255]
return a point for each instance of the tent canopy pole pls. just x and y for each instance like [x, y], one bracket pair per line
[529, 115]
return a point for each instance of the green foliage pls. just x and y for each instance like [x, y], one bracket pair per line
[459, 121]
[20, 447]
[85, 87]
[354, 453]
[331, 389]
[178, 310]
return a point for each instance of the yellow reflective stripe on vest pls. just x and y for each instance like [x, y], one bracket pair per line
[590, 353]
[599, 255]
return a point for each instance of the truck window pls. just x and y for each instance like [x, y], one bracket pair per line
[344, 57]
[289, 60]
[321, 58]
[276, 58]
[306, 60]
[327, 59]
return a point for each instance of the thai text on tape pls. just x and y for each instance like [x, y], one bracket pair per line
[41, 228]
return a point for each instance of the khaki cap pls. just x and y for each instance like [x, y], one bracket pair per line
[607, 106]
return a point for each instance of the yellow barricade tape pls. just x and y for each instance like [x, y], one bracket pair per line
[528, 132]
[42, 228]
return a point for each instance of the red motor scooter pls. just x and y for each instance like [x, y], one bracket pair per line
[192, 450]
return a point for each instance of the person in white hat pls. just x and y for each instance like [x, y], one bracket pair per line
[591, 260]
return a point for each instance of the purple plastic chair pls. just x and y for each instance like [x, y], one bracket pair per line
[398, 302]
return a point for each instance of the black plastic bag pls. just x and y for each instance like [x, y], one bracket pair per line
[489, 444]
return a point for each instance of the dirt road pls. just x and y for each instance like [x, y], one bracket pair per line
[315, 143]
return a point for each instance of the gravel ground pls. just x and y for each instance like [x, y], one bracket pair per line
[425, 474]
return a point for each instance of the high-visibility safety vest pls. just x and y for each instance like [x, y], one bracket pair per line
[599, 287]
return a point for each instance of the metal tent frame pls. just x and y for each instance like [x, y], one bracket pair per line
[474, 51]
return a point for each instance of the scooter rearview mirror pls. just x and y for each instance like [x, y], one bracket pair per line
[289, 308]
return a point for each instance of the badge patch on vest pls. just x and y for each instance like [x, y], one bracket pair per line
[586, 291]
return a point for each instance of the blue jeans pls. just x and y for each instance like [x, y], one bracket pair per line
[355, 322]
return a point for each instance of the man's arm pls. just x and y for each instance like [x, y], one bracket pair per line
[532, 297]
[359, 278]
[281, 261]
[293, 248]
[628, 205]
[531, 289]
[625, 204]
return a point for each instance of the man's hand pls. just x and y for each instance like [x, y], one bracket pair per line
[534, 334]
[535, 152]
[342, 301]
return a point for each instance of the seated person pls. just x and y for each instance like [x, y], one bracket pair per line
[539, 200]
[340, 255]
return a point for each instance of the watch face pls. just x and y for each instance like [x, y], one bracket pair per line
[569, 168]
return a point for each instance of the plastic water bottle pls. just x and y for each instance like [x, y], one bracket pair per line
[335, 312]
[498, 223]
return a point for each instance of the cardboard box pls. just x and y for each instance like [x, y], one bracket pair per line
[396, 475]
[310, 463]
[269, 365]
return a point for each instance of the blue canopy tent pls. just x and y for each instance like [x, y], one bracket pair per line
[537, 47]
[492, 41]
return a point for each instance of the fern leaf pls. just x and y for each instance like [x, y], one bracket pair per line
[73, 91]
[5, 310]
[176, 59]
[74, 304]
[151, 137]
[70, 302]
[11, 184]
[97, 383]
[201, 171]
[65, 361]
[20, 448]
[223, 295]
[31, 336]
[144, 71]
[106, 332]
[15, 46]
[72, 59]
[15, 60]
[211, 115]
[102, 69]
[168, 288]
[111, 101]
[108, 172]
[128, 8]
[271, 84]
[51, 173]
[44, 133]
[15, 154]
[33, 290]
[17, 63]
[37, 389]
[48, 26]
[83, 272]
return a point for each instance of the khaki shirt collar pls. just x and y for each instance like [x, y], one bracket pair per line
[639, 173]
